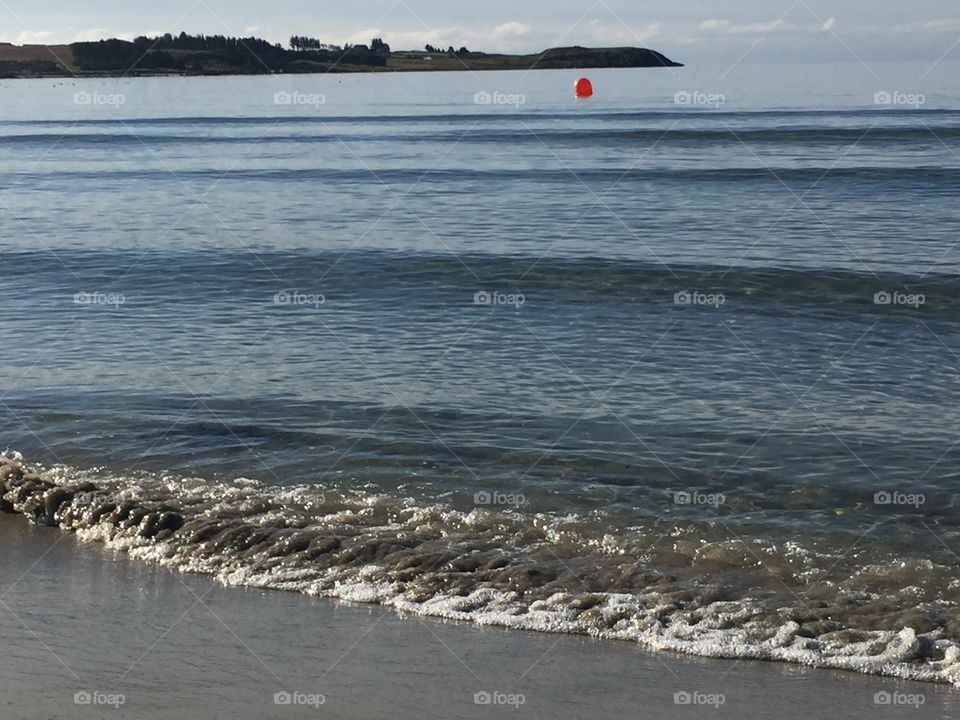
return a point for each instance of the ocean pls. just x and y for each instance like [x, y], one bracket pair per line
[676, 365]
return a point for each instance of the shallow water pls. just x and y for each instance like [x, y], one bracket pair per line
[687, 377]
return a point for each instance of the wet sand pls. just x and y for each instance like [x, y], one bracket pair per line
[77, 618]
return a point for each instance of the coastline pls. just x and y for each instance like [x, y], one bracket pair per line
[365, 550]
[79, 618]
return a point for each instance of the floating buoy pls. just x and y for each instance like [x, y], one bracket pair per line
[583, 88]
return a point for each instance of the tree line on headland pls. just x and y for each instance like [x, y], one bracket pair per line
[199, 53]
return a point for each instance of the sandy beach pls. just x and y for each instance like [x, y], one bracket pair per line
[146, 643]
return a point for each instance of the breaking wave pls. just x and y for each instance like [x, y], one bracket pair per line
[540, 572]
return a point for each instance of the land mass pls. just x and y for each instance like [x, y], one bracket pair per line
[218, 55]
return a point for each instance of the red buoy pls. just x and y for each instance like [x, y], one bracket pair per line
[583, 88]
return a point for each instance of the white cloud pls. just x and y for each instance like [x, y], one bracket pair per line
[942, 25]
[728, 28]
[511, 29]
[725, 27]
[33, 38]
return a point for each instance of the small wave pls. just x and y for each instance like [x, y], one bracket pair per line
[532, 572]
[939, 179]
[869, 115]
[621, 137]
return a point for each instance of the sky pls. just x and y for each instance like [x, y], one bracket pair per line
[685, 30]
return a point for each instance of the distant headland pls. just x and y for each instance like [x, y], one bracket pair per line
[219, 55]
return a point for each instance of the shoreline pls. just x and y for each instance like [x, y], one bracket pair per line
[79, 618]
[209, 529]
[351, 71]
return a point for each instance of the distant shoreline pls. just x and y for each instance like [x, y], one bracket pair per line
[218, 56]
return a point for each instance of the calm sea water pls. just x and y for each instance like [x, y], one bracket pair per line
[720, 336]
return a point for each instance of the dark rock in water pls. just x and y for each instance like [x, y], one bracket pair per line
[30, 497]
[172, 521]
[28, 488]
[100, 511]
[135, 517]
[10, 476]
[123, 510]
[154, 523]
[148, 527]
[52, 501]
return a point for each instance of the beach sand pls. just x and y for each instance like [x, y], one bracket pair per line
[77, 618]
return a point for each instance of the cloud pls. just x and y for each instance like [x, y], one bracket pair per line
[728, 28]
[511, 29]
[33, 38]
[942, 25]
[725, 27]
